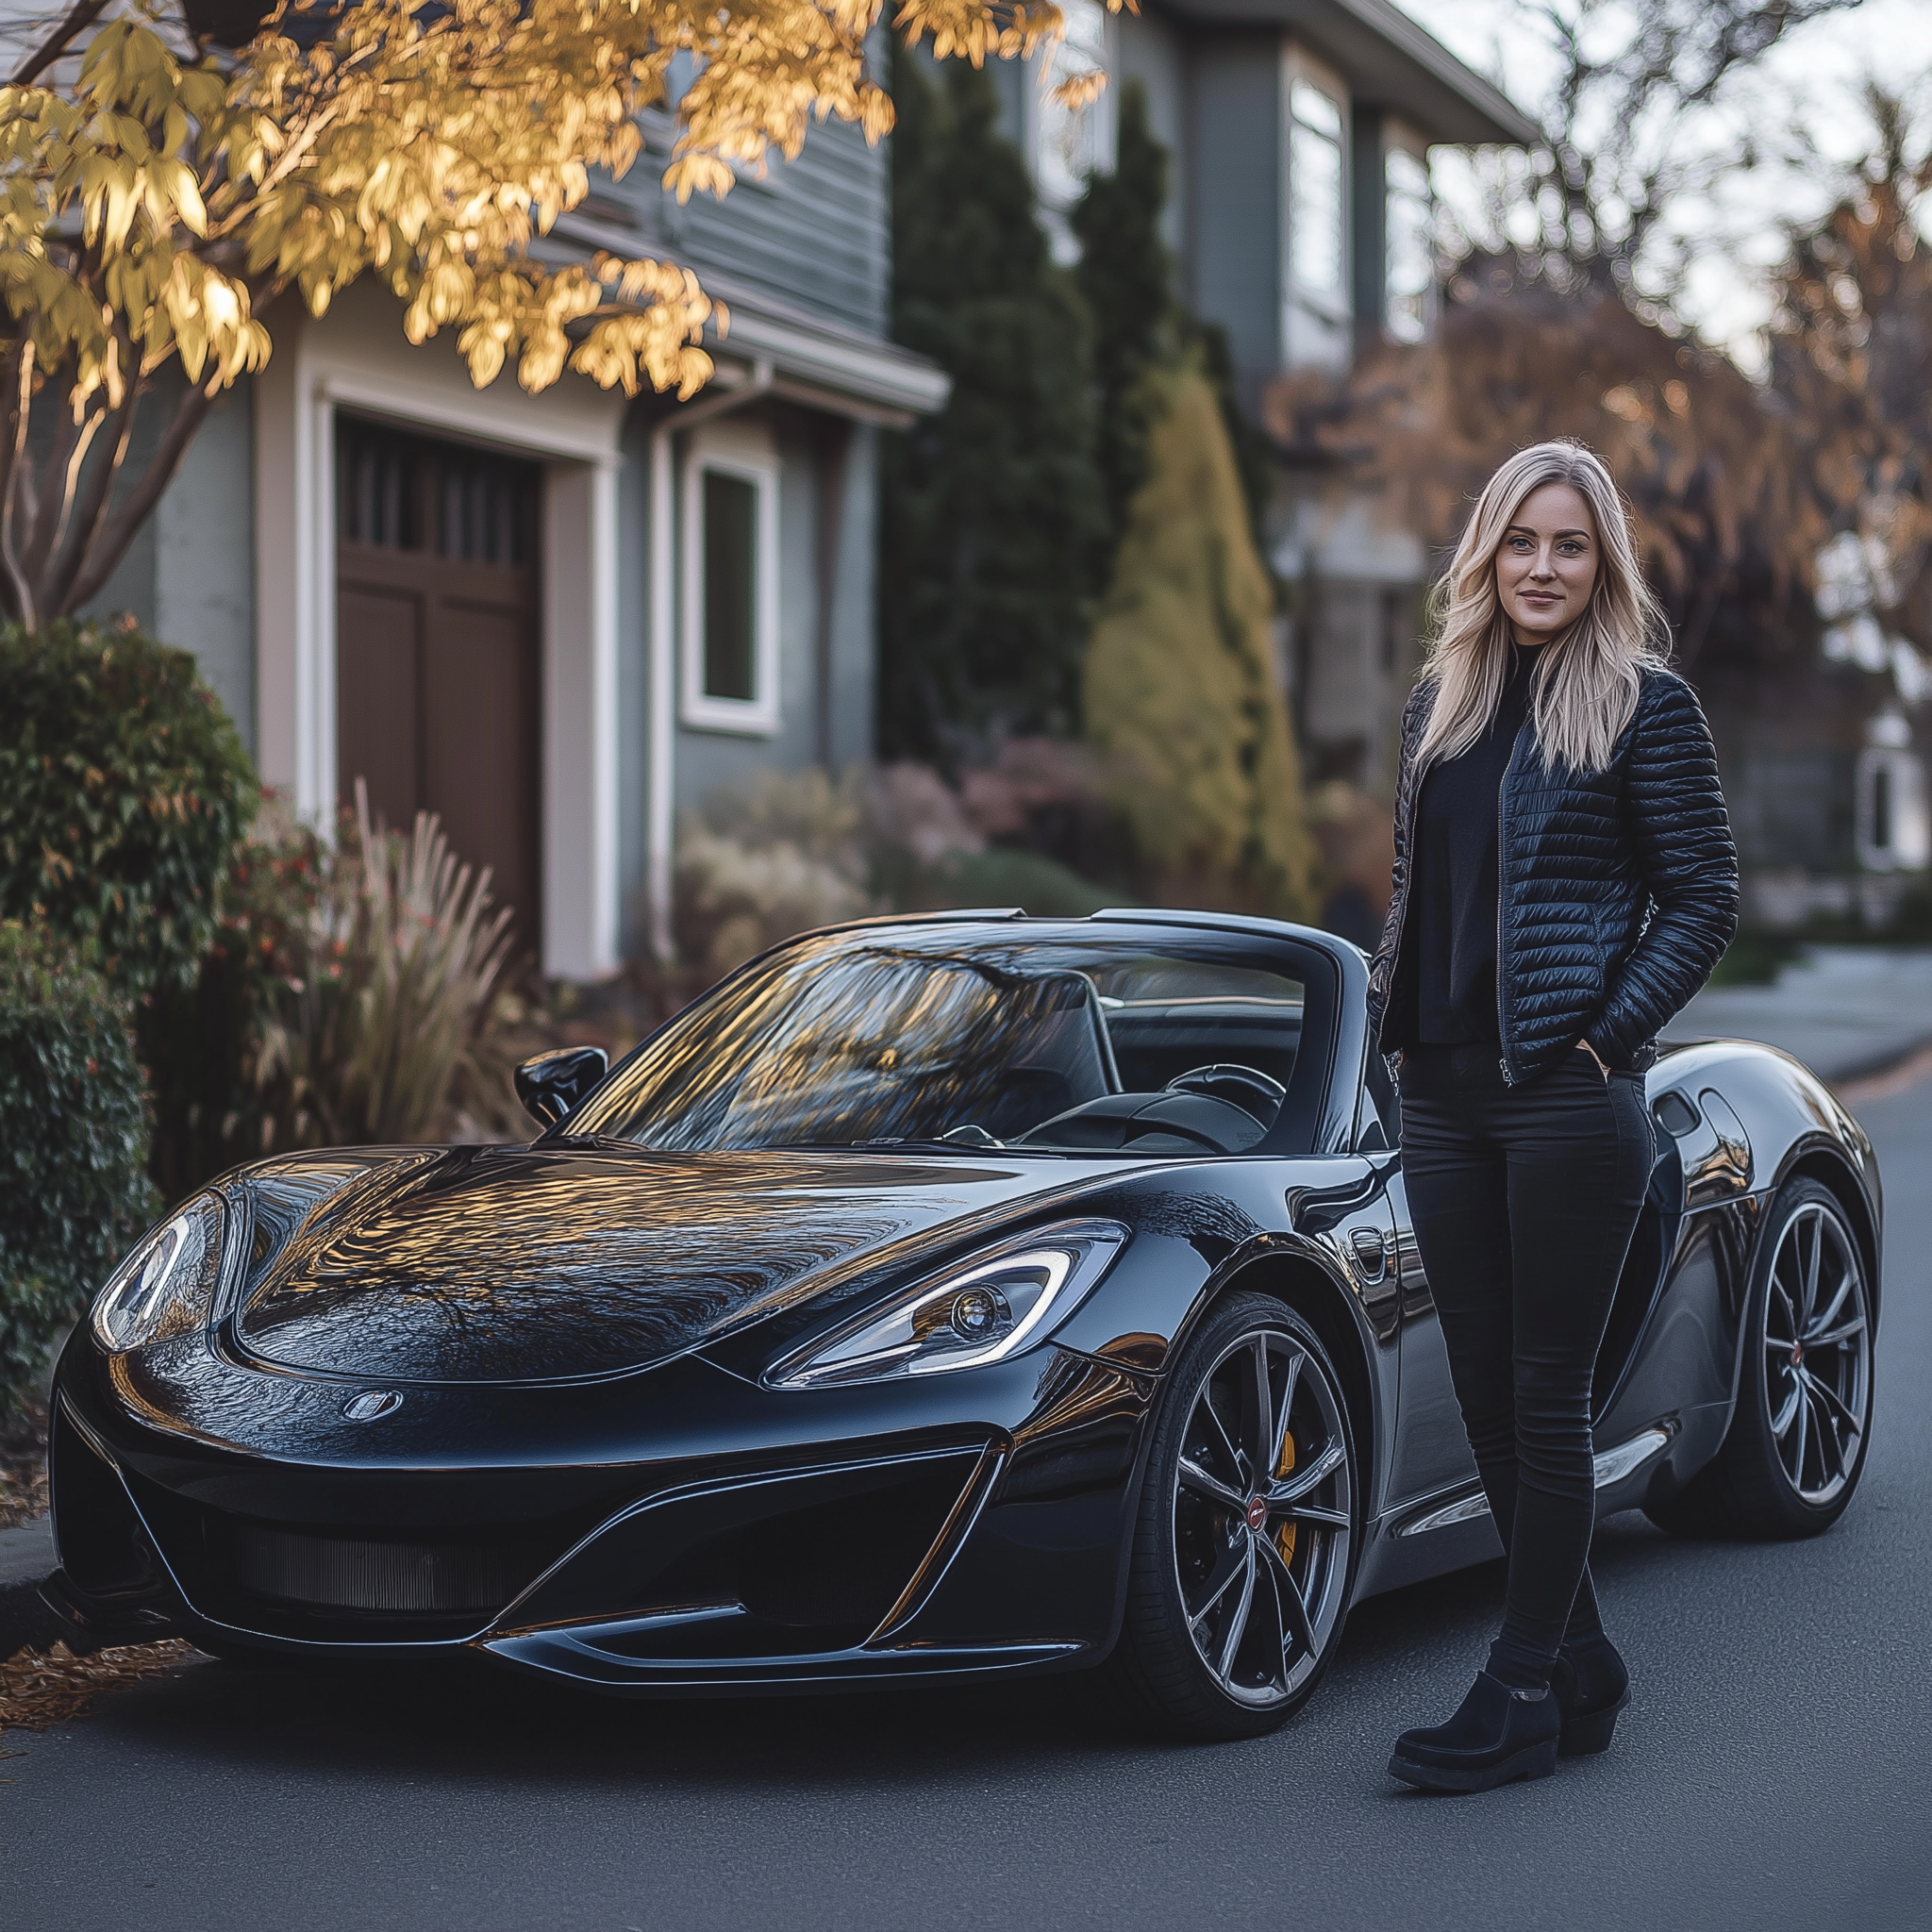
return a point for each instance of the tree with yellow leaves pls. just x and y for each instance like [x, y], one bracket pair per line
[163, 180]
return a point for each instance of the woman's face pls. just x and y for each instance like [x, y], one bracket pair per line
[1547, 566]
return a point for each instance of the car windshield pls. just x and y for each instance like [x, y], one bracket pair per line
[1056, 1040]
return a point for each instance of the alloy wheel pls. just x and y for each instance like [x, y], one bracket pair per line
[1818, 1352]
[1262, 1517]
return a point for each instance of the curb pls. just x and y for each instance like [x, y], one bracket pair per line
[1890, 1076]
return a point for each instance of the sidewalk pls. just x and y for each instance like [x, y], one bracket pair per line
[1845, 1011]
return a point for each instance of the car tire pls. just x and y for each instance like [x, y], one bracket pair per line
[1212, 1645]
[1798, 1436]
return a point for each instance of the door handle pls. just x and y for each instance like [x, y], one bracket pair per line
[1370, 1251]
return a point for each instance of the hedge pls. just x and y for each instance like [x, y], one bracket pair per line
[73, 1129]
[123, 790]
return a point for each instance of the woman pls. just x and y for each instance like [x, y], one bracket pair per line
[1564, 881]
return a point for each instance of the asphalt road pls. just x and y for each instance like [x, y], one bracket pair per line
[1776, 1771]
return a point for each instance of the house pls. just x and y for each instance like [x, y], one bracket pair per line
[558, 620]
[1300, 216]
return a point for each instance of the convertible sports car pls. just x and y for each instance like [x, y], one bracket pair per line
[972, 1293]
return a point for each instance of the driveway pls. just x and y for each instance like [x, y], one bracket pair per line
[1773, 1774]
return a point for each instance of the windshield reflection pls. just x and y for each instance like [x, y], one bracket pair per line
[924, 1034]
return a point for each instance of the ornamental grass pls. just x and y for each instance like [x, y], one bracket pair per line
[383, 1030]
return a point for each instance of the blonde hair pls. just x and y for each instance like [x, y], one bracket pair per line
[1586, 680]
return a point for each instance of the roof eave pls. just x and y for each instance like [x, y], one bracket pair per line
[815, 361]
[1390, 62]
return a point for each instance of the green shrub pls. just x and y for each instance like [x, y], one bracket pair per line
[754, 867]
[1181, 694]
[995, 877]
[123, 788]
[74, 1190]
[993, 514]
[201, 1044]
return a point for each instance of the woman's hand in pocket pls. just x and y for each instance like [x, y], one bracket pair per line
[1598, 1059]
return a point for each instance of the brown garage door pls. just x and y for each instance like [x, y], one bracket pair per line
[438, 649]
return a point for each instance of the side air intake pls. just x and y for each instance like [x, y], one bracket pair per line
[329, 1572]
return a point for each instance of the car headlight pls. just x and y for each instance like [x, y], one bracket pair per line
[980, 1312]
[166, 1287]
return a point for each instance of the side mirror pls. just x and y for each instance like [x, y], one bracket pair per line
[553, 1083]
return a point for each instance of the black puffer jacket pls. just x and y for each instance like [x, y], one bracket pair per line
[1617, 891]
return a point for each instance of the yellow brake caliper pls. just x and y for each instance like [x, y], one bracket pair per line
[1284, 1532]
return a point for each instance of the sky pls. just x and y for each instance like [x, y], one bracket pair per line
[1812, 80]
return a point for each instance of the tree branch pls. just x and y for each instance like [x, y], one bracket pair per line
[81, 16]
[21, 369]
[91, 502]
[102, 554]
[53, 490]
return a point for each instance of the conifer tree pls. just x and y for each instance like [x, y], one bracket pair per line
[1127, 276]
[993, 511]
[1181, 697]
[1140, 327]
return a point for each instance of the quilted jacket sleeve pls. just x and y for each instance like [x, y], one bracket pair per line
[1680, 838]
[1382, 968]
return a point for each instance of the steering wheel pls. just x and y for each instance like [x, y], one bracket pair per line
[1249, 1088]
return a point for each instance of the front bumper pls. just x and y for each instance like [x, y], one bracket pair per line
[678, 1530]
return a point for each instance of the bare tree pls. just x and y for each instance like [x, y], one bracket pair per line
[1851, 374]
[1630, 116]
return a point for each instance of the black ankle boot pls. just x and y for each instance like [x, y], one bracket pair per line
[1498, 1735]
[1591, 1686]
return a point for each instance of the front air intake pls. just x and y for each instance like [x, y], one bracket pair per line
[331, 1573]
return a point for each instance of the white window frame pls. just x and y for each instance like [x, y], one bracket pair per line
[731, 452]
[1091, 46]
[1416, 151]
[1332, 304]
[1908, 826]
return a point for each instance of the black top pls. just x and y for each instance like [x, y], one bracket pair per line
[1455, 877]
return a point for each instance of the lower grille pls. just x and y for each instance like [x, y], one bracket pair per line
[335, 1573]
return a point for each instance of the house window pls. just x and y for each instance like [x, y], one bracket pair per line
[1070, 142]
[730, 588]
[731, 585]
[1411, 246]
[1894, 828]
[1315, 253]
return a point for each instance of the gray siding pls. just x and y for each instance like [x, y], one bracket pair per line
[813, 234]
[1010, 80]
[189, 576]
[855, 659]
[633, 684]
[709, 761]
[204, 530]
[1232, 267]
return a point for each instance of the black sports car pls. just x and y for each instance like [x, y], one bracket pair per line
[974, 1294]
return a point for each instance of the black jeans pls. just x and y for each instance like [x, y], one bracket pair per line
[1525, 1199]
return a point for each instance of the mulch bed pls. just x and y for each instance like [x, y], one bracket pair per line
[40, 1689]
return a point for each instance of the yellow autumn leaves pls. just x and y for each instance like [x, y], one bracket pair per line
[154, 197]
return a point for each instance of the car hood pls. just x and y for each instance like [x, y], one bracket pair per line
[511, 1265]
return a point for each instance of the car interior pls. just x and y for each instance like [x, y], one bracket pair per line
[1064, 1039]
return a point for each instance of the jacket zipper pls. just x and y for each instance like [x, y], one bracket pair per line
[1502, 795]
[1402, 910]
